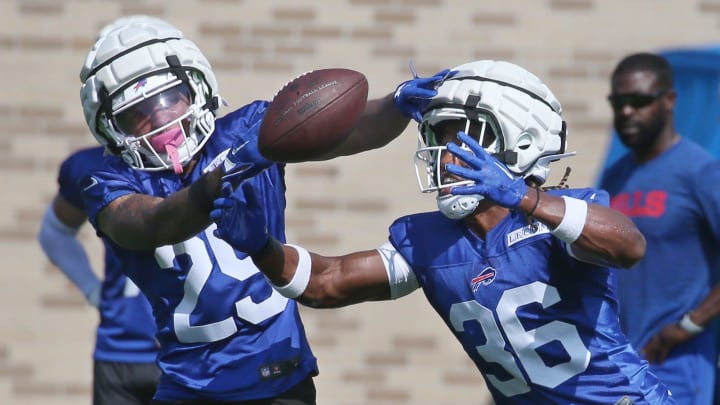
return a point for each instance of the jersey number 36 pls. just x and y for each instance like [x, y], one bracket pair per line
[524, 343]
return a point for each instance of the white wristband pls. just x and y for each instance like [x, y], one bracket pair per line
[573, 220]
[300, 279]
[688, 325]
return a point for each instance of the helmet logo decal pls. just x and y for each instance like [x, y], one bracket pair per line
[140, 84]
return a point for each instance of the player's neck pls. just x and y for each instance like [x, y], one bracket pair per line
[485, 218]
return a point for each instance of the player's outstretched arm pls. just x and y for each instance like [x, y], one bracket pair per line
[385, 118]
[139, 221]
[379, 125]
[312, 279]
[320, 281]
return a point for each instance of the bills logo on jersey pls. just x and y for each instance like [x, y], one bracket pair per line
[486, 276]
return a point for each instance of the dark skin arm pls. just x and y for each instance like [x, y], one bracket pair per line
[67, 213]
[334, 282]
[659, 346]
[380, 123]
[607, 233]
[361, 276]
[140, 222]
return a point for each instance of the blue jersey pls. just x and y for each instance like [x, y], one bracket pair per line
[674, 200]
[540, 325]
[225, 333]
[126, 332]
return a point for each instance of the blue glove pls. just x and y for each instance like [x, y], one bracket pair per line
[240, 218]
[412, 96]
[244, 160]
[492, 179]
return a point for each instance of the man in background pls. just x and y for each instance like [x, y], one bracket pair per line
[667, 184]
[124, 371]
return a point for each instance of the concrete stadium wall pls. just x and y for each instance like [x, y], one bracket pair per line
[376, 353]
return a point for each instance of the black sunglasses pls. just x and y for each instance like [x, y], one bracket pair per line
[634, 100]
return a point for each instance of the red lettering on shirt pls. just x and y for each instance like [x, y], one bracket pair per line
[641, 204]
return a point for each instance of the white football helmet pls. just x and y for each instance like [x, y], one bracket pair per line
[148, 94]
[520, 119]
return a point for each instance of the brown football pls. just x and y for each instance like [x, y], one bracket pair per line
[312, 114]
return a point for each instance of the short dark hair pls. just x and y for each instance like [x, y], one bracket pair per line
[648, 62]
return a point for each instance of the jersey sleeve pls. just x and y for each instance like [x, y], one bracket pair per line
[67, 184]
[400, 276]
[589, 195]
[73, 169]
[102, 187]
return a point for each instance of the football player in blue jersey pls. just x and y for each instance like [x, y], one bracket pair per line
[150, 97]
[124, 369]
[667, 185]
[519, 274]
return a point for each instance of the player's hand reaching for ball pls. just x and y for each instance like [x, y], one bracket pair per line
[492, 179]
[244, 159]
[240, 218]
[412, 96]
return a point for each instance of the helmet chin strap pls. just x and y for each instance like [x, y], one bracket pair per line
[458, 206]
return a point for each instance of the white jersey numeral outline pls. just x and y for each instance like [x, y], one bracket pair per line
[523, 342]
[197, 276]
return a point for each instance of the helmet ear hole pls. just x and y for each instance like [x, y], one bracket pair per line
[525, 141]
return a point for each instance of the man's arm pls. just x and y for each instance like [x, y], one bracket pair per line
[312, 279]
[605, 233]
[58, 239]
[596, 229]
[140, 222]
[143, 222]
[381, 122]
[387, 117]
[331, 282]
[659, 346]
